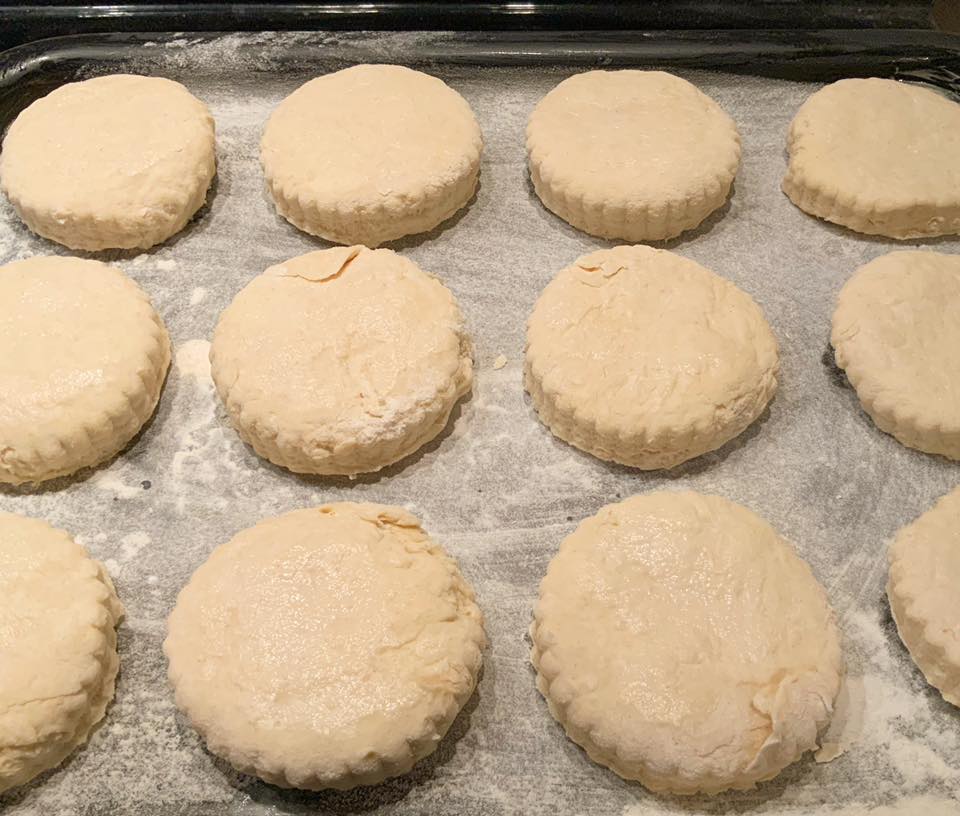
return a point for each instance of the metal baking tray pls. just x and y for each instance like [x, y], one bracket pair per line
[496, 488]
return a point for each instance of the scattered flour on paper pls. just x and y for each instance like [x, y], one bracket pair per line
[197, 296]
[193, 360]
[109, 482]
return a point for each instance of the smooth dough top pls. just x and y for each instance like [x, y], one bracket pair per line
[57, 613]
[368, 133]
[344, 344]
[896, 333]
[689, 640]
[324, 639]
[888, 144]
[642, 135]
[78, 339]
[635, 337]
[119, 146]
[925, 575]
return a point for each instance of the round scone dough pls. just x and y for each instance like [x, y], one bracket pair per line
[58, 613]
[83, 356]
[341, 361]
[682, 643]
[645, 358]
[326, 648]
[922, 588]
[879, 156]
[370, 154]
[636, 155]
[896, 333]
[118, 161]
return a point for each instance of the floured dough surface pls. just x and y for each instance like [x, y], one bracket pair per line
[118, 161]
[83, 356]
[879, 156]
[682, 643]
[58, 613]
[326, 648]
[645, 358]
[896, 333]
[924, 595]
[341, 361]
[371, 153]
[637, 155]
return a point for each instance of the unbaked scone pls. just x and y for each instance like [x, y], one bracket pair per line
[924, 593]
[58, 613]
[682, 643]
[118, 161]
[636, 155]
[371, 153]
[83, 356]
[896, 333]
[645, 358]
[879, 156]
[341, 361]
[326, 648]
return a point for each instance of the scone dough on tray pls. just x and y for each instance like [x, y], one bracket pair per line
[341, 361]
[879, 156]
[636, 155]
[371, 153]
[924, 595]
[896, 333]
[326, 648]
[58, 613]
[83, 356]
[682, 643]
[119, 161]
[645, 358]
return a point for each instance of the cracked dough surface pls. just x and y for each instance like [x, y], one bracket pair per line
[326, 648]
[896, 332]
[879, 156]
[637, 155]
[341, 361]
[922, 588]
[682, 643]
[371, 153]
[83, 356]
[118, 161]
[58, 613]
[645, 358]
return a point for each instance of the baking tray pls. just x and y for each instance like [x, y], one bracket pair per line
[496, 488]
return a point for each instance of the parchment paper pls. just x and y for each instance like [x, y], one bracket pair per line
[496, 489]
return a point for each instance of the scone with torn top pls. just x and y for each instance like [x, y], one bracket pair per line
[682, 643]
[341, 361]
[326, 648]
[643, 357]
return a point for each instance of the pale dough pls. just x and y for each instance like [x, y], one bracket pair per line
[636, 155]
[118, 161]
[682, 643]
[58, 613]
[341, 361]
[326, 648]
[83, 356]
[924, 593]
[371, 153]
[879, 156]
[896, 333]
[645, 358]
